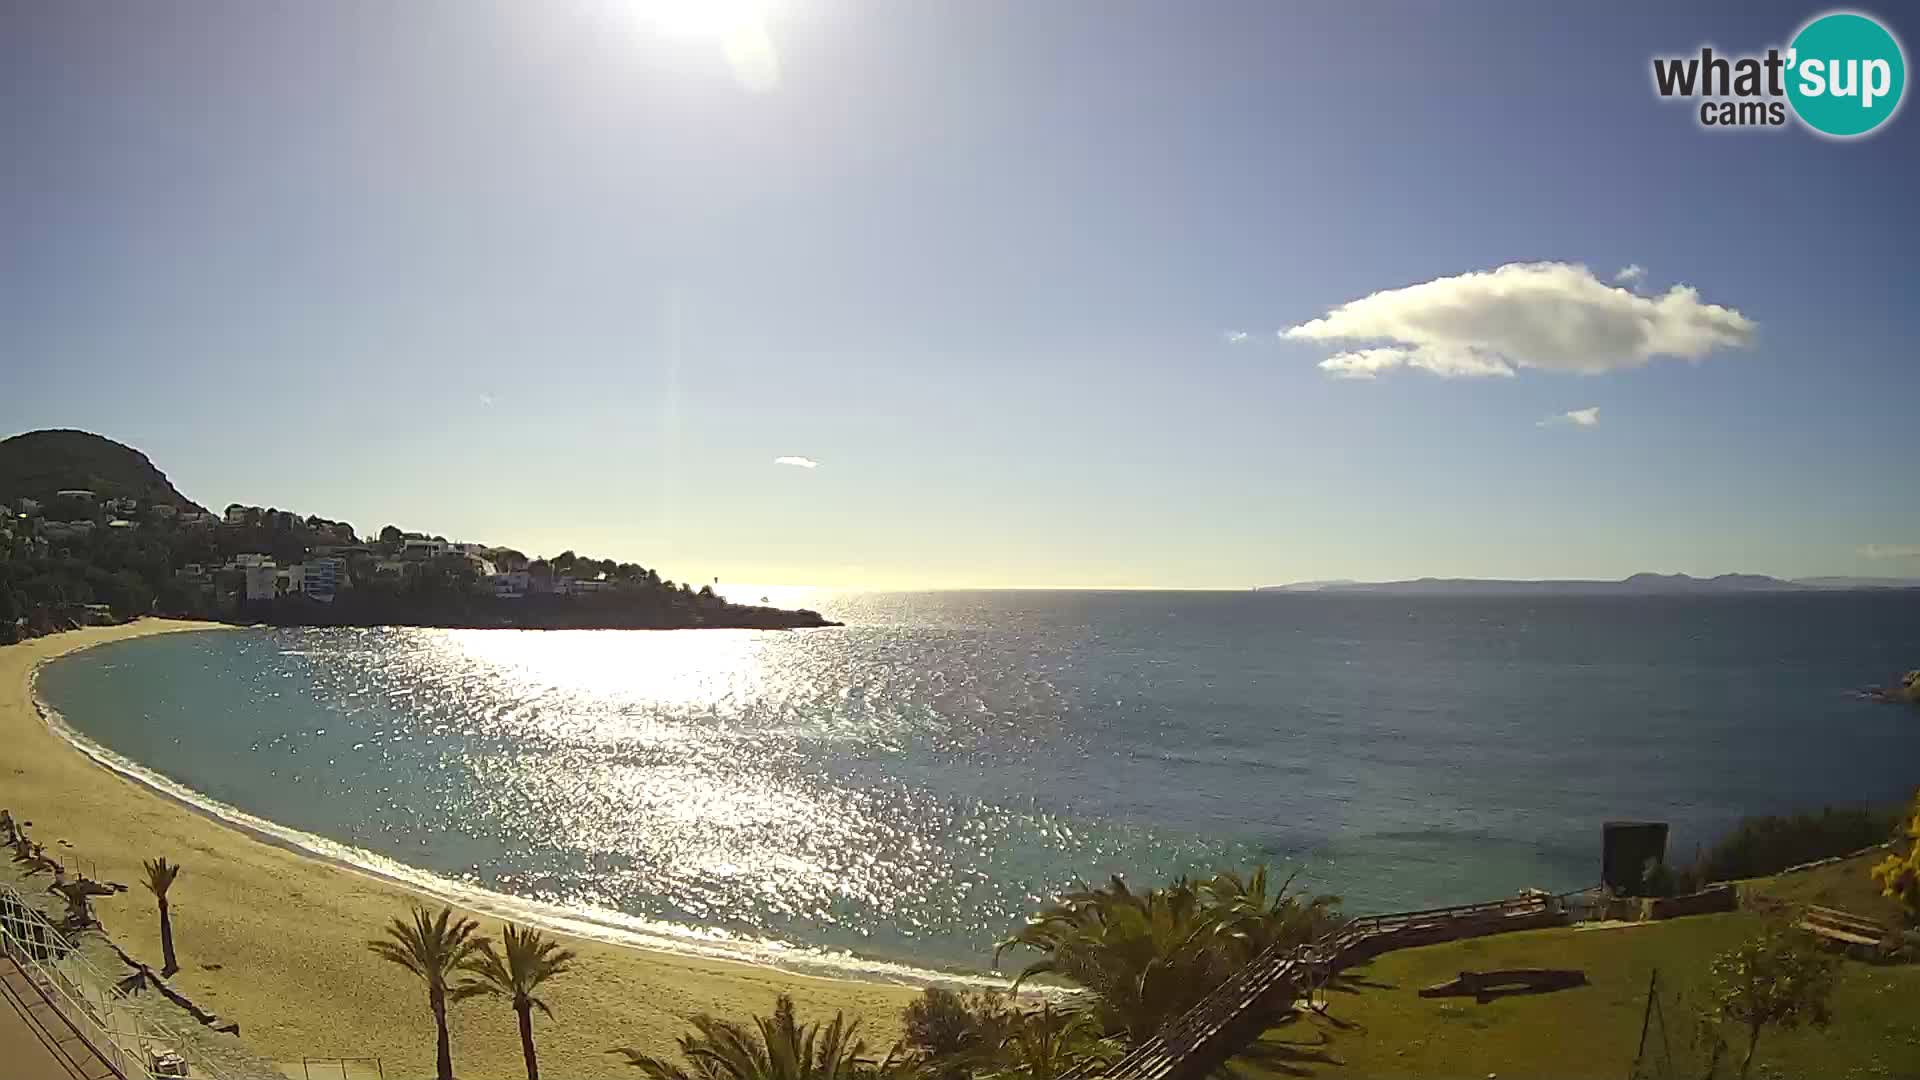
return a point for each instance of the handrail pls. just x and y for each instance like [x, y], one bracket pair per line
[1276, 963]
[120, 1035]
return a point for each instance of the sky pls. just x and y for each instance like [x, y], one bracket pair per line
[991, 293]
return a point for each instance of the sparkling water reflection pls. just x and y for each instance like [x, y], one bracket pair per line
[910, 786]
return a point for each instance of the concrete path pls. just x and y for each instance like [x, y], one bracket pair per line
[34, 1040]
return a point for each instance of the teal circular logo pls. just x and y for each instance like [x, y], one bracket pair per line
[1845, 74]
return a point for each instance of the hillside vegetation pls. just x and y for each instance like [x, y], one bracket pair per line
[39, 463]
[127, 543]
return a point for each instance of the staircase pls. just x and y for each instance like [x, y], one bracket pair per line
[1235, 1013]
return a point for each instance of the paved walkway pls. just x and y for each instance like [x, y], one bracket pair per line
[34, 1040]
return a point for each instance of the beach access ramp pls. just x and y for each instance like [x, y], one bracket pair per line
[35, 1039]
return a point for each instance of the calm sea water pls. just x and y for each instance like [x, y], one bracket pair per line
[907, 788]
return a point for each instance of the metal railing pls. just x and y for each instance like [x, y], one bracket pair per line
[1162, 1054]
[130, 1044]
[348, 1068]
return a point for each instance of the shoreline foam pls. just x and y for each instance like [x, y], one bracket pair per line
[599, 924]
[272, 923]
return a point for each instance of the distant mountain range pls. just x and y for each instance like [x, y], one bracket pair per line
[1638, 585]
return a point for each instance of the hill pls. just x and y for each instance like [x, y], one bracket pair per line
[1642, 584]
[39, 463]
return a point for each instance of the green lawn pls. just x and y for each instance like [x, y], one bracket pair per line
[1380, 1027]
[1845, 885]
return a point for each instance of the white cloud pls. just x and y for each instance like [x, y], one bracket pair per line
[1630, 273]
[1589, 417]
[1549, 316]
[797, 462]
[1234, 337]
[486, 400]
[1366, 363]
[1891, 551]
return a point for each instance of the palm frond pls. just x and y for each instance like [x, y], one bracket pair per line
[527, 960]
[159, 875]
[432, 945]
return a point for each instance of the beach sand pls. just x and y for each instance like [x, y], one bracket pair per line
[277, 940]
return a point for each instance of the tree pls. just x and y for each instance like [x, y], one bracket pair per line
[1045, 1044]
[775, 1048]
[433, 946]
[531, 959]
[1775, 980]
[1244, 914]
[1148, 957]
[1144, 956]
[955, 1035]
[1899, 875]
[390, 534]
[160, 877]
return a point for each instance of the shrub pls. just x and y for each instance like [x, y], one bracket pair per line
[1768, 845]
[1656, 879]
[1776, 980]
[951, 1031]
[1899, 874]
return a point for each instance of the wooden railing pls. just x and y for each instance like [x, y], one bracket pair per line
[1194, 1035]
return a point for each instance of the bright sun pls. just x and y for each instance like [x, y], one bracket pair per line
[703, 18]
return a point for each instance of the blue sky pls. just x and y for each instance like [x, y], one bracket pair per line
[566, 276]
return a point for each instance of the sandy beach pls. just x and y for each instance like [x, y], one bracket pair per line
[277, 940]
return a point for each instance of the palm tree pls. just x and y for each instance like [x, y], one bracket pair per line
[1243, 914]
[531, 959]
[777, 1048]
[160, 875]
[1146, 957]
[433, 946]
[1046, 1044]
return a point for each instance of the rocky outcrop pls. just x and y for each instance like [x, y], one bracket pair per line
[1906, 690]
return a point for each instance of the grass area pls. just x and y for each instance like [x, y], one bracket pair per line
[1845, 885]
[1380, 1027]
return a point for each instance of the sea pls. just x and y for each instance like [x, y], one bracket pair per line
[891, 798]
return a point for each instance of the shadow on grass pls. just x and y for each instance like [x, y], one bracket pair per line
[1353, 984]
[1287, 1055]
[1301, 1043]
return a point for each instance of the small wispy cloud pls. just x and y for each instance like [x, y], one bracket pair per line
[797, 462]
[1234, 337]
[1891, 551]
[1630, 272]
[1575, 417]
[486, 400]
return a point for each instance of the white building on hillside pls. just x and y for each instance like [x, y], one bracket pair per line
[262, 581]
[511, 585]
[424, 549]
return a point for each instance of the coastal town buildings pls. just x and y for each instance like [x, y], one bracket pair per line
[262, 581]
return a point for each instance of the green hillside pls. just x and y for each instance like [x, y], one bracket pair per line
[39, 463]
